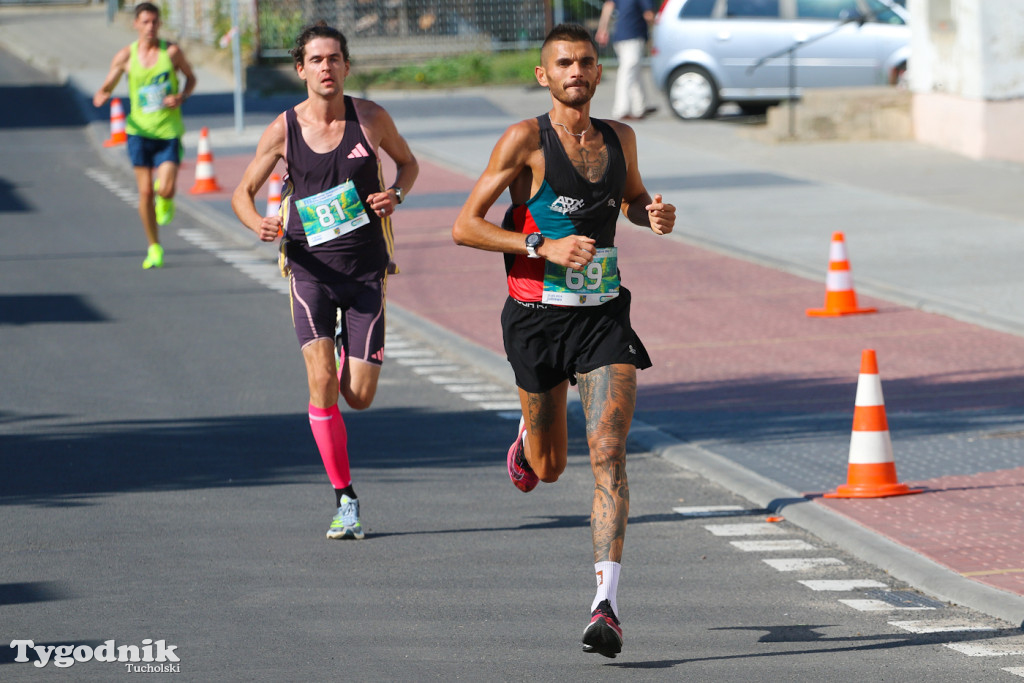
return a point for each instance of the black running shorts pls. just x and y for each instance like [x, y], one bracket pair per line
[315, 315]
[547, 345]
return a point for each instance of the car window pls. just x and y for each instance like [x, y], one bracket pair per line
[883, 14]
[700, 9]
[752, 8]
[826, 9]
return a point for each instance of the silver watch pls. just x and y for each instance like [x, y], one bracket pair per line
[533, 242]
[398, 193]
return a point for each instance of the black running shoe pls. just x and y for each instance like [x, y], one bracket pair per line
[603, 634]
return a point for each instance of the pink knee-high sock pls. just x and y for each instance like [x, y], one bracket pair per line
[332, 441]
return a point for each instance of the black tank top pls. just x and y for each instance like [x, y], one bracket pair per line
[358, 255]
[566, 204]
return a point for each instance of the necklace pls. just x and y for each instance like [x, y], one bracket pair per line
[575, 135]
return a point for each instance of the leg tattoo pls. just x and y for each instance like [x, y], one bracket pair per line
[608, 395]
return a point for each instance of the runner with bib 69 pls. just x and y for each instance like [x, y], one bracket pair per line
[566, 319]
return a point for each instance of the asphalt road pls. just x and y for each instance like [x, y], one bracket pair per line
[160, 482]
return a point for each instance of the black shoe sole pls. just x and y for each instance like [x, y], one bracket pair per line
[600, 638]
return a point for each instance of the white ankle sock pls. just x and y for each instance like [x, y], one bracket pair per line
[607, 574]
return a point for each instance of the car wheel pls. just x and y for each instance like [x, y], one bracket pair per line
[898, 77]
[692, 93]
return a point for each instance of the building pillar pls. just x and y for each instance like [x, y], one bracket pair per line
[967, 76]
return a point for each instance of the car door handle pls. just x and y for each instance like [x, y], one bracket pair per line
[724, 35]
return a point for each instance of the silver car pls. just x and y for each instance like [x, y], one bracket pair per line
[760, 52]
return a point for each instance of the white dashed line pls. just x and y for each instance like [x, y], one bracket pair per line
[427, 370]
[941, 626]
[752, 529]
[711, 511]
[1004, 648]
[803, 564]
[772, 546]
[841, 584]
[880, 606]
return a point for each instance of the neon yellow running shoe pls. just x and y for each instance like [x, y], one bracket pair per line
[164, 206]
[154, 257]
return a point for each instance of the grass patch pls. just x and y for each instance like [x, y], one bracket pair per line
[503, 68]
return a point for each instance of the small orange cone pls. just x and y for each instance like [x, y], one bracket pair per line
[840, 299]
[205, 182]
[117, 134]
[871, 472]
[274, 196]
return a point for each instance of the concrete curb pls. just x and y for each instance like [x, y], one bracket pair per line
[903, 563]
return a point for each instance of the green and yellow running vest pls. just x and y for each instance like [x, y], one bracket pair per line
[147, 88]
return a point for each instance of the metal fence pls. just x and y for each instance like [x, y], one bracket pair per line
[379, 30]
[396, 29]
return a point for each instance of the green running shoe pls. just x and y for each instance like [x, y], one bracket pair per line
[154, 257]
[164, 207]
[346, 523]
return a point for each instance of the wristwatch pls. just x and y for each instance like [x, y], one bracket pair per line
[533, 242]
[398, 193]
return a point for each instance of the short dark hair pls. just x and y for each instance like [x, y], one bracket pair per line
[318, 30]
[571, 33]
[143, 7]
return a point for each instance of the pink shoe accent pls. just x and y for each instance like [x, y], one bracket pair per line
[332, 441]
[519, 470]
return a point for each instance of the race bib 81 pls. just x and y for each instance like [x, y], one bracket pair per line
[331, 213]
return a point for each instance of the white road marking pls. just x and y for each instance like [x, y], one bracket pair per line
[841, 584]
[941, 626]
[772, 546]
[993, 648]
[803, 564]
[880, 606]
[751, 529]
[711, 511]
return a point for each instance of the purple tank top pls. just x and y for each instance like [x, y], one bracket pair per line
[358, 255]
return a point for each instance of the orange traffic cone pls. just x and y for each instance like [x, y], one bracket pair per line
[871, 472]
[117, 134]
[205, 182]
[840, 299]
[274, 196]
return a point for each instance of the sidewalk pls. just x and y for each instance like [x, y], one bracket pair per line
[745, 390]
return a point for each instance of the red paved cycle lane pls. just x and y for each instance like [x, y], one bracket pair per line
[729, 335]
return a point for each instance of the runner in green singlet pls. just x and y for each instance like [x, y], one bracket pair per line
[153, 124]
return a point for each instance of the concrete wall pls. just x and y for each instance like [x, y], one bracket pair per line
[967, 76]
